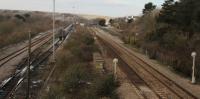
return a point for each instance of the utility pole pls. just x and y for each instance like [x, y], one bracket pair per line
[54, 30]
[63, 27]
[74, 17]
[28, 68]
[193, 67]
[64, 19]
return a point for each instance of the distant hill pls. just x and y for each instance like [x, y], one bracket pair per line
[59, 16]
[14, 24]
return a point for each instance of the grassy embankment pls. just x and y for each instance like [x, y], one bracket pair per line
[75, 76]
[14, 26]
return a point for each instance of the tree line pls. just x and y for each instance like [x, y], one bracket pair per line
[168, 34]
[174, 32]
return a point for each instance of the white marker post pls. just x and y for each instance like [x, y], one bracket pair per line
[115, 61]
[193, 67]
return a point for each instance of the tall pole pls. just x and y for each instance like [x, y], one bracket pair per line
[63, 27]
[28, 69]
[74, 8]
[53, 30]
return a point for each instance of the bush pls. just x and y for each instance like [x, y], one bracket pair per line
[75, 76]
[168, 40]
[20, 17]
[107, 86]
[102, 22]
[63, 58]
[83, 48]
[88, 40]
[27, 15]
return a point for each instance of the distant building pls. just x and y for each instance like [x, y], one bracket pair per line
[127, 18]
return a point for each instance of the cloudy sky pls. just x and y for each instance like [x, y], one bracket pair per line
[96, 7]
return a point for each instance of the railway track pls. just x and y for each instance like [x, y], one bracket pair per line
[141, 86]
[13, 83]
[9, 85]
[164, 87]
[19, 78]
[14, 54]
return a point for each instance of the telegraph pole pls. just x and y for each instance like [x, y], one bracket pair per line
[53, 30]
[28, 68]
[63, 26]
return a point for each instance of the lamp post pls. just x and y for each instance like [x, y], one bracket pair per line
[193, 67]
[115, 61]
[53, 30]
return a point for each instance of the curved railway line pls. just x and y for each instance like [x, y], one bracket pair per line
[164, 87]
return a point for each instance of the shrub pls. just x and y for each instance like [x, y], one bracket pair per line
[107, 86]
[82, 49]
[75, 76]
[20, 17]
[27, 15]
[102, 22]
[88, 40]
[63, 58]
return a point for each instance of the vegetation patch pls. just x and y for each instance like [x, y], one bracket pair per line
[14, 27]
[75, 76]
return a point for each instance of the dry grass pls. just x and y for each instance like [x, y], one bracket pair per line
[13, 29]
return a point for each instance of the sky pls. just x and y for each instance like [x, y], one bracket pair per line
[114, 8]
